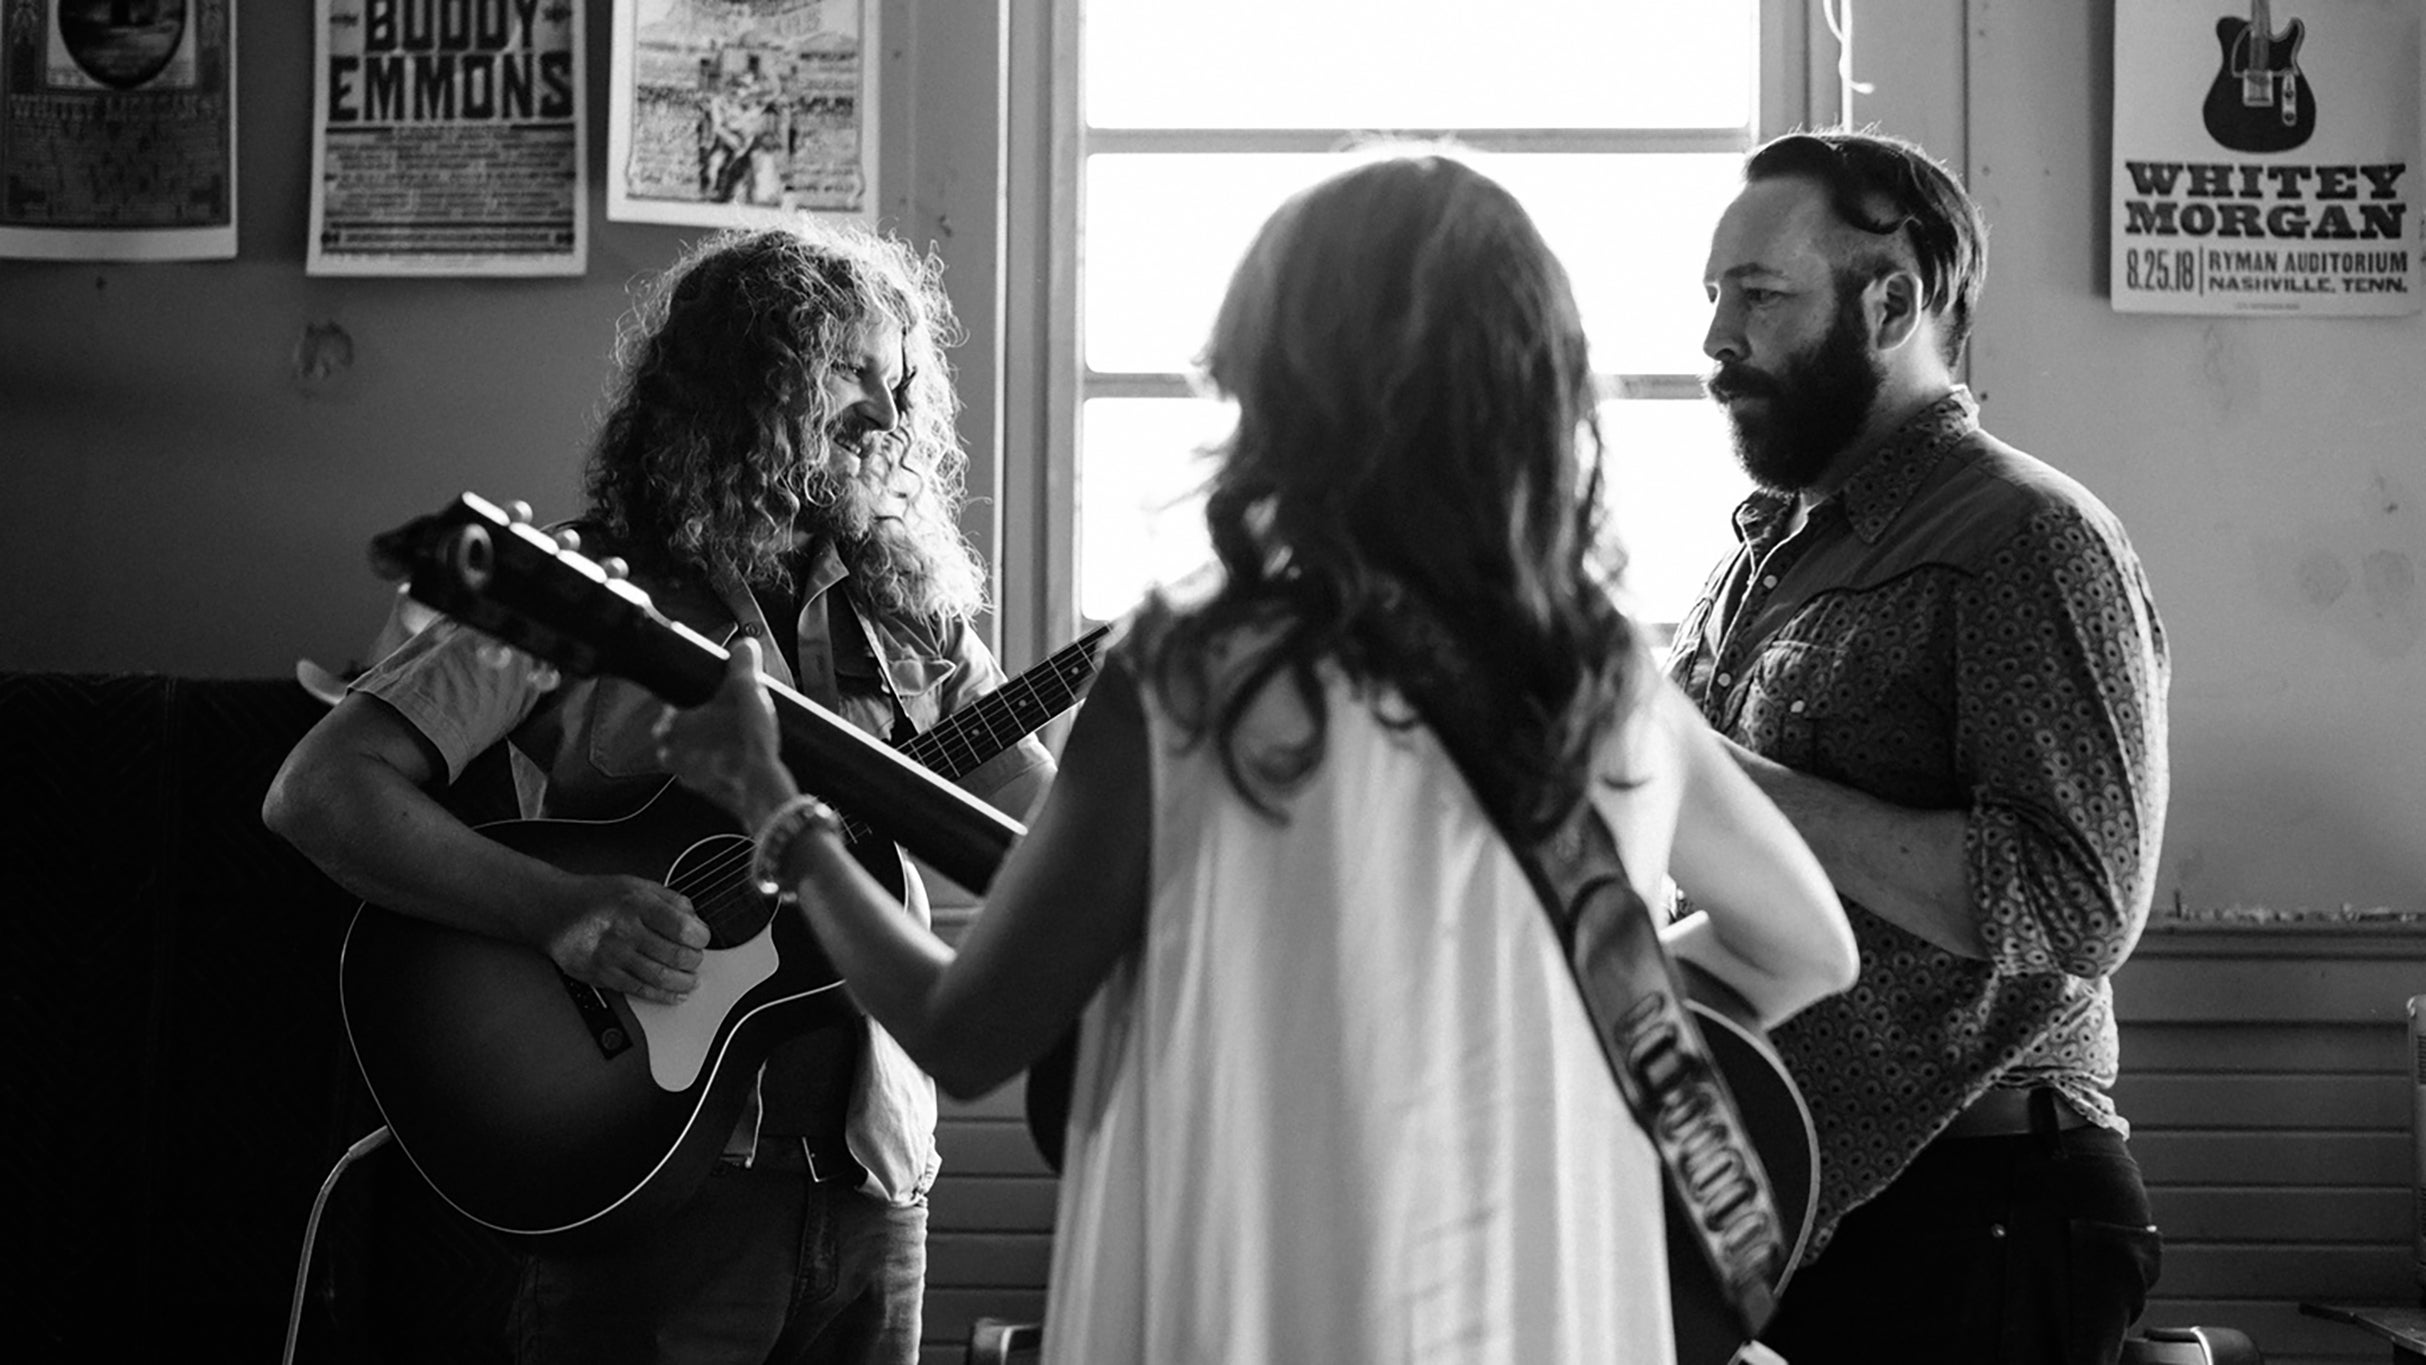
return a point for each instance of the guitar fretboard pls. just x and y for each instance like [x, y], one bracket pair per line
[1001, 718]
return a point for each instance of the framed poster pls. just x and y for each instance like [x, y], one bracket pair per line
[447, 139]
[725, 111]
[118, 129]
[2266, 157]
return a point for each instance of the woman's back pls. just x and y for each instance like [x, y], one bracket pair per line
[1344, 1103]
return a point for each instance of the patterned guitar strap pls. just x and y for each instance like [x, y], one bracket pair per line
[1636, 1000]
[1655, 1050]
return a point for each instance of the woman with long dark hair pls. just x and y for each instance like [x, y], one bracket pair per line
[1336, 1096]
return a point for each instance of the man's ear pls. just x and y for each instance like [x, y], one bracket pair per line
[1895, 308]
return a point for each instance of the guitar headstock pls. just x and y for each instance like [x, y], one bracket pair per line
[490, 569]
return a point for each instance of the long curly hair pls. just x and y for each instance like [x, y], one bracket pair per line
[1412, 490]
[718, 424]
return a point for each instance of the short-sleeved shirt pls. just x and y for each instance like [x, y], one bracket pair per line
[1960, 627]
[584, 748]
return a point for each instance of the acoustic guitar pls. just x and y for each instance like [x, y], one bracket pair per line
[538, 1105]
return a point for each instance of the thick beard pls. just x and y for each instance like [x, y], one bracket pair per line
[1815, 404]
[847, 494]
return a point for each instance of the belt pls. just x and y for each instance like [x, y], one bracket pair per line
[823, 1160]
[2009, 1113]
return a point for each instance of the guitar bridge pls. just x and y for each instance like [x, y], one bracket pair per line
[598, 1017]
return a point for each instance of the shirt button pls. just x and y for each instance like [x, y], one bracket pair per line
[1726, 680]
[1770, 581]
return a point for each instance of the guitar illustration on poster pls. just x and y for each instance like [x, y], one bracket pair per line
[2260, 101]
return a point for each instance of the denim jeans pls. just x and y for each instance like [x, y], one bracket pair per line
[764, 1265]
[2035, 1249]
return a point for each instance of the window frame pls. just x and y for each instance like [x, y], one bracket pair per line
[1046, 379]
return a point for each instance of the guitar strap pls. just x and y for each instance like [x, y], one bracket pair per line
[1663, 1068]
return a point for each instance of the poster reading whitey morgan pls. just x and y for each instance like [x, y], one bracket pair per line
[2266, 157]
[447, 139]
[726, 111]
[118, 129]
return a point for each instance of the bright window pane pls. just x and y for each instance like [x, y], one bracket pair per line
[1420, 64]
[1141, 514]
[1673, 486]
[1162, 235]
[1164, 231]
[1673, 481]
[1633, 232]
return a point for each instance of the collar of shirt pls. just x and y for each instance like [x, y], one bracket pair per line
[1883, 484]
[822, 569]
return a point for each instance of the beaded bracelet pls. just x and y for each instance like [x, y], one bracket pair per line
[777, 834]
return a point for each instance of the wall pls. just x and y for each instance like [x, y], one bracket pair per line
[174, 498]
[2267, 1075]
[2271, 471]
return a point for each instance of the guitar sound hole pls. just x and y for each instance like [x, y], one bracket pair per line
[715, 874]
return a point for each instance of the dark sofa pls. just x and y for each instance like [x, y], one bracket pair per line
[182, 1084]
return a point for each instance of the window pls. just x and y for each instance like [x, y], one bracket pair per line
[1621, 124]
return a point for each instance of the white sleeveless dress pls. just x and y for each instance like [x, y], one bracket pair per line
[1343, 1104]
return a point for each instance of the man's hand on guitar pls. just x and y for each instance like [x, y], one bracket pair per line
[632, 935]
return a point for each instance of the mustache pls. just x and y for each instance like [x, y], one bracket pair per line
[862, 440]
[1730, 382]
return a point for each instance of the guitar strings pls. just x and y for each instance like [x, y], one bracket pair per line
[720, 889]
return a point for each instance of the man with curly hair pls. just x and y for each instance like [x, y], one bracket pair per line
[779, 464]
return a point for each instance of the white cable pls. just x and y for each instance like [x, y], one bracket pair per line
[371, 1142]
[1841, 26]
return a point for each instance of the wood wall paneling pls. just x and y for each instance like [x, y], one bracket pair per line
[2266, 1076]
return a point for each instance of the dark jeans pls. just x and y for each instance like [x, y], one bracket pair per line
[763, 1266]
[2028, 1250]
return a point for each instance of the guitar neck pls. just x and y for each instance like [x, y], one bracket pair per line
[984, 728]
[994, 722]
[954, 832]
[957, 834]
[496, 574]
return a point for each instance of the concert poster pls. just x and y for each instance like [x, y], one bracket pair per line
[2266, 158]
[447, 139]
[118, 130]
[737, 111]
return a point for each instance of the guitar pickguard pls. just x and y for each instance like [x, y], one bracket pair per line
[681, 1037]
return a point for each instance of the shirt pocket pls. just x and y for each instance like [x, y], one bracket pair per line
[1809, 706]
[913, 675]
[1691, 664]
[622, 742]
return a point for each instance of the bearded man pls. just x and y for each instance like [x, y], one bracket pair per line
[1939, 657]
[779, 462]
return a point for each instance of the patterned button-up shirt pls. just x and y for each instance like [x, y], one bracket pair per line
[1960, 627]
